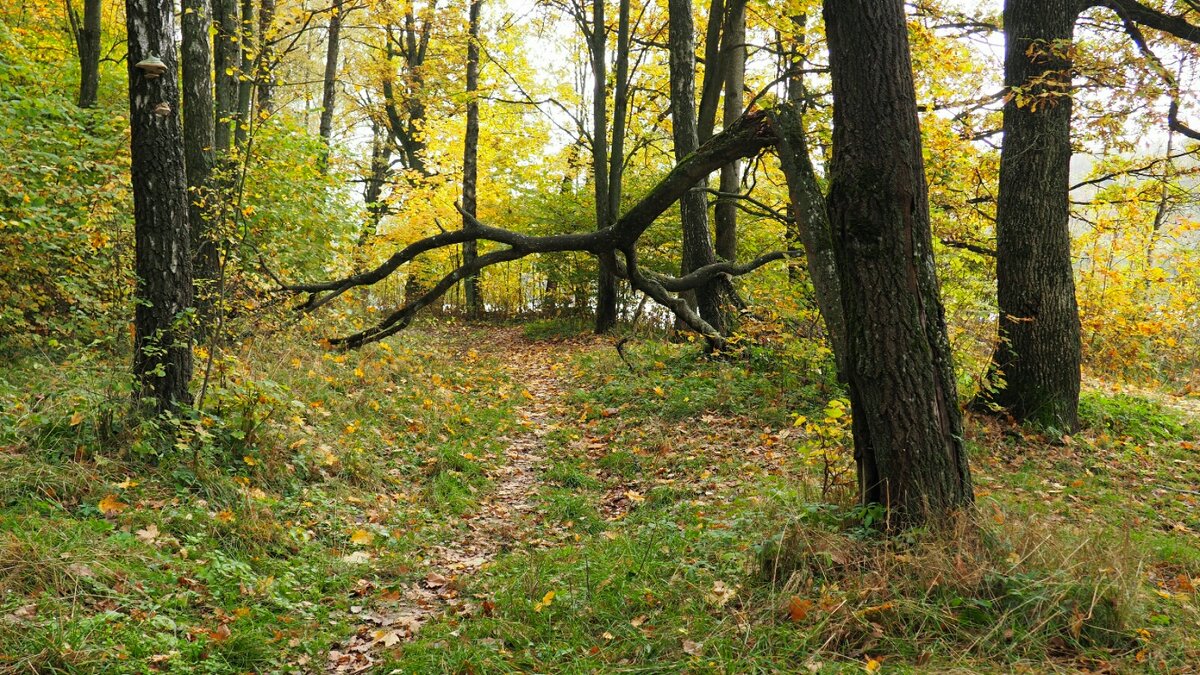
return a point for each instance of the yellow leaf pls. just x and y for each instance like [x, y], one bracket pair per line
[634, 496]
[250, 461]
[546, 600]
[659, 391]
[111, 505]
[362, 538]
[127, 483]
[872, 666]
[76, 419]
[225, 516]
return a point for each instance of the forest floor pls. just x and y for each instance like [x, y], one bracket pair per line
[496, 499]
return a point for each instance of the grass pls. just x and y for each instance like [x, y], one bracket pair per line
[684, 520]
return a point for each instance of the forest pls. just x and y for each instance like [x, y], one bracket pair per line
[704, 336]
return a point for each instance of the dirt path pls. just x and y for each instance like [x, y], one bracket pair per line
[505, 517]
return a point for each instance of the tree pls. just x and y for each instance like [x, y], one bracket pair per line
[697, 240]
[733, 67]
[1039, 352]
[906, 422]
[162, 362]
[87, 42]
[471, 157]
[329, 87]
[198, 142]
[227, 58]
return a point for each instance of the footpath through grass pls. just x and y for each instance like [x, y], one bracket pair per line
[480, 500]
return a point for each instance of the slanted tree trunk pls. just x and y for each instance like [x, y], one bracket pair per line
[907, 428]
[87, 41]
[697, 241]
[812, 225]
[227, 59]
[198, 131]
[471, 158]
[329, 90]
[162, 362]
[733, 63]
[1039, 351]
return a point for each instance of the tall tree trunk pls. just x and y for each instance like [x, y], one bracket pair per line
[733, 63]
[227, 59]
[471, 158]
[710, 85]
[87, 42]
[329, 91]
[198, 131]
[906, 421]
[162, 362]
[262, 73]
[606, 280]
[1038, 354]
[697, 242]
[812, 224]
[246, 73]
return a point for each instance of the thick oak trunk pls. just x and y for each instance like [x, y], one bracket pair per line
[162, 362]
[906, 421]
[1038, 355]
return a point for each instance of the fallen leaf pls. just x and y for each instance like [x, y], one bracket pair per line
[692, 648]
[221, 634]
[546, 600]
[358, 557]
[111, 505]
[637, 621]
[76, 419]
[872, 665]
[148, 534]
[798, 608]
[362, 537]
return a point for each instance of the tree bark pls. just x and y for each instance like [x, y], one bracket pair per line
[471, 159]
[262, 73]
[162, 363]
[87, 42]
[697, 241]
[227, 58]
[329, 90]
[246, 73]
[812, 224]
[1037, 359]
[606, 280]
[906, 421]
[198, 142]
[733, 65]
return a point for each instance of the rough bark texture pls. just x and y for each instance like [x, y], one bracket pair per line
[246, 72]
[1038, 354]
[697, 241]
[906, 420]
[606, 281]
[162, 363]
[227, 59]
[733, 63]
[471, 159]
[87, 41]
[266, 56]
[812, 224]
[329, 90]
[198, 130]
